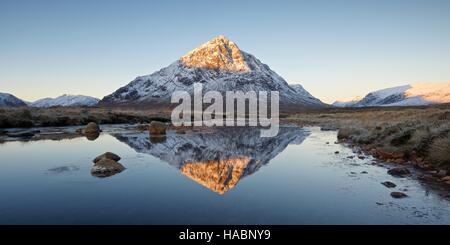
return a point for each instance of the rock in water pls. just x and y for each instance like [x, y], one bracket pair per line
[399, 172]
[107, 155]
[92, 128]
[106, 167]
[157, 128]
[397, 194]
[389, 184]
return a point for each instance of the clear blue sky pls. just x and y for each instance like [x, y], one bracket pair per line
[335, 49]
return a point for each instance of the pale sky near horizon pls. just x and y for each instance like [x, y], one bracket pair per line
[335, 49]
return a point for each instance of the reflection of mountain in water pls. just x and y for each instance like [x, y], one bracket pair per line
[216, 159]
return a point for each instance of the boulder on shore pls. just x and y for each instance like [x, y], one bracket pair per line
[399, 172]
[157, 128]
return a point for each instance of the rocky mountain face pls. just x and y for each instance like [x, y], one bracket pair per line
[9, 100]
[407, 95]
[66, 100]
[218, 157]
[220, 66]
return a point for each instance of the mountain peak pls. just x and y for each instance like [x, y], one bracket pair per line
[219, 65]
[217, 54]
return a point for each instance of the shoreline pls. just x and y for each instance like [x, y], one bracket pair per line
[421, 170]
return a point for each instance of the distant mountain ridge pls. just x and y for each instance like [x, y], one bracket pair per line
[66, 100]
[406, 95]
[347, 102]
[9, 100]
[220, 66]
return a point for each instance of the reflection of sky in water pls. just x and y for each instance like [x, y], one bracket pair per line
[305, 183]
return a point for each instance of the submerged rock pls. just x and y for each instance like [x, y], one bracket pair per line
[397, 194]
[107, 155]
[62, 169]
[389, 184]
[106, 167]
[157, 128]
[399, 172]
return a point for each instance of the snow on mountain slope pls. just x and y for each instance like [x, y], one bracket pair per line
[302, 92]
[384, 96]
[9, 100]
[66, 100]
[347, 103]
[220, 66]
[407, 95]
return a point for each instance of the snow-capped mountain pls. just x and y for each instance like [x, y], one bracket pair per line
[66, 100]
[407, 95]
[347, 102]
[220, 66]
[9, 100]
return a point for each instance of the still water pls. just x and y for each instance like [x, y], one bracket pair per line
[220, 176]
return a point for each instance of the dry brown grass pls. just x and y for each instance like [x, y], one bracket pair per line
[440, 151]
[64, 116]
